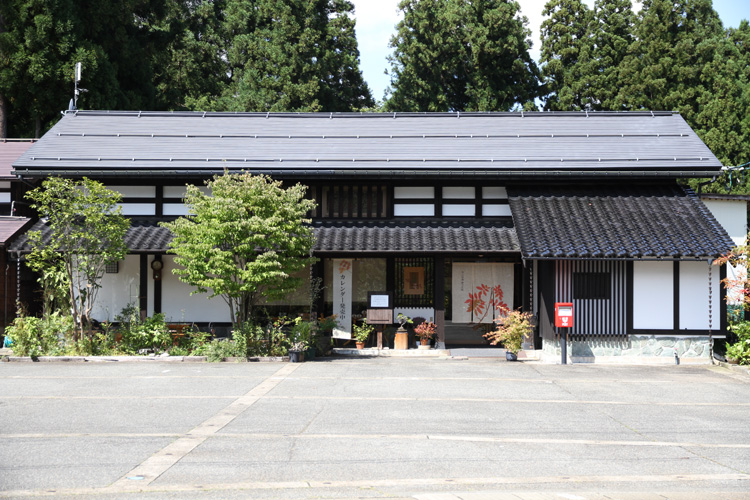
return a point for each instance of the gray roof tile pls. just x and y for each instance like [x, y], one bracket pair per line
[162, 143]
[614, 222]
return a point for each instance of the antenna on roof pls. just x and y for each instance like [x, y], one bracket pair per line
[73, 105]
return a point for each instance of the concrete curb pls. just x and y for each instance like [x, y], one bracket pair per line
[138, 359]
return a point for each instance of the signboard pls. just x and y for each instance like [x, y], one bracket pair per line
[380, 300]
[564, 314]
[342, 297]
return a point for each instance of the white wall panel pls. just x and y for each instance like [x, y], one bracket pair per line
[413, 193]
[179, 191]
[174, 209]
[462, 210]
[178, 305]
[496, 210]
[138, 208]
[459, 193]
[653, 295]
[5, 198]
[135, 191]
[404, 210]
[4, 184]
[694, 292]
[494, 193]
[118, 290]
[732, 215]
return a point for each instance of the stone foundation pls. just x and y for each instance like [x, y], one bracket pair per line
[633, 349]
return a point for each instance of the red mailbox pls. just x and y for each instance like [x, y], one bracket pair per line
[564, 314]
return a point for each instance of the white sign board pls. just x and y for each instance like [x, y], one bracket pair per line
[479, 289]
[342, 297]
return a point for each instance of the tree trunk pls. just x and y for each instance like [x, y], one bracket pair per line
[38, 127]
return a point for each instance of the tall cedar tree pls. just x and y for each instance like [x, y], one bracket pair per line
[610, 34]
[564, 35]
[456, 55]
[292, 55]
[41, 42]
[663, 68]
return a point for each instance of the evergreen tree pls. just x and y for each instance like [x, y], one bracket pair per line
[564, 35]
[292, 55]
[662, 69]
[609, 38]
[189, 72]
[459, 55]
[42, 41]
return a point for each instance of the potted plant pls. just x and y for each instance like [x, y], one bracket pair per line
[299, 337]
[425, 331]
[401, 340]
[511, 329]
[360, 334]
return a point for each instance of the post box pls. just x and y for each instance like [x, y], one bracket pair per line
[564, 314]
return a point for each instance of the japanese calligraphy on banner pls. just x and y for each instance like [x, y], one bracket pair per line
[479, 289]
[342, 297]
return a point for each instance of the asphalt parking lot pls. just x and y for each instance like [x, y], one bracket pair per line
[429, 429]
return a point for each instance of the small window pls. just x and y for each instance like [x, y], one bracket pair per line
[588, 286]
[112, 268]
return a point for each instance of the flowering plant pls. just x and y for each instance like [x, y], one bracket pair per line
[512, 327]
[425, 330]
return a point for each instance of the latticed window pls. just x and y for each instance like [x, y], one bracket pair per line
[414, 282]
[351, 202]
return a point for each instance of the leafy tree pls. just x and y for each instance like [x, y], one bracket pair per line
[244, 241]
[86, 232]
[564, 35]
[455, 55]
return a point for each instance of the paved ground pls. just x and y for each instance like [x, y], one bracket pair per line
[426, 429]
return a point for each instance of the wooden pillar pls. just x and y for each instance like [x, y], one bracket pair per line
[439, 300]
[143, 286]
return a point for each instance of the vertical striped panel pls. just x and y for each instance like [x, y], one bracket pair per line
[594, 317]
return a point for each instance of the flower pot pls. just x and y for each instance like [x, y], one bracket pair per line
[511, 356]
[309, 353]
[402, 339]
[424, 341]
[296, 356]
[360, 345]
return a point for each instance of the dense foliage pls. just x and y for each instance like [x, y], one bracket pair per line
[266, 55]
[453, 55]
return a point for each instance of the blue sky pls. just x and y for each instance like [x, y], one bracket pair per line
[376, 20]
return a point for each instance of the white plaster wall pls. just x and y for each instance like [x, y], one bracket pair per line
[403, 210]
[653, 295]
[135, 191]
[413, 192]
[138, 208]
[178, 305]
[694, 296]
[732, 215]
[496, 210]
[118, 290]
[459, 210]
[458, 192]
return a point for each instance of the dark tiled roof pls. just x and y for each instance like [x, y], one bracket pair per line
[630, 222]
[9, 226]
[100, 143]
[417, 236]
[145, 235]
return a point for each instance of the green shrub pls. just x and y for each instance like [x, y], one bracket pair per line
[218, 349]
[36, 337]
[150, 334]
[740, 350]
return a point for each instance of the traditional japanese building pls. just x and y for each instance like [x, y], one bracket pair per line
[455, 214]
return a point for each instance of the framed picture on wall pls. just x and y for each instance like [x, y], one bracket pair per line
[414, 281]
